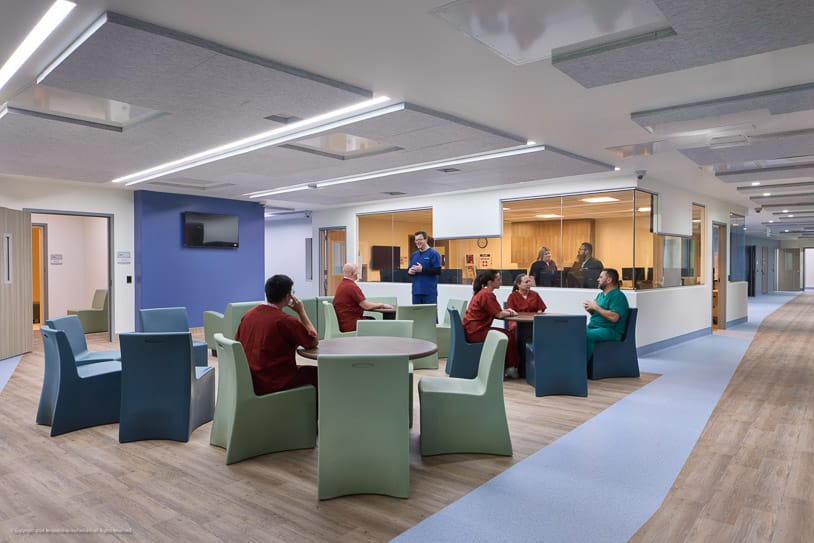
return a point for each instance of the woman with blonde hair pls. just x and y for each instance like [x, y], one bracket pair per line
[544, 270]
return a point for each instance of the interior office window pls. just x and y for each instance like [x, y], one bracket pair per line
[737, 247]
[386, 241]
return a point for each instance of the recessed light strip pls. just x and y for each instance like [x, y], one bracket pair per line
[306, 127]
[52, 18]
[96, 25]
[468, 159]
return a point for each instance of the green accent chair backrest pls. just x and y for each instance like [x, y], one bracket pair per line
[320, 324]
[364, 445]
[423, 317]
[332, 323]
[248, 425]
[72, 396]
[443, 329]
[310, 305]
[467, 415]
[392, 300]
[393, 329]
[226, 323]
[94, 319]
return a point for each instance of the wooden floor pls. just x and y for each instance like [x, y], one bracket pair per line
[167, 491]
[750, 477]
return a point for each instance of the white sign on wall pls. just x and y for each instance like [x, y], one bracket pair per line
[56, 259]
[122, 257]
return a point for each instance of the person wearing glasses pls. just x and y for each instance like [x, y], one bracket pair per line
[270, 338]
[425, 269]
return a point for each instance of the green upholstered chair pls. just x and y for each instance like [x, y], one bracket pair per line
[392, 300]
[94, 319]
[467, 415]
[393, 329]
[72, 327]
[320, 324]
[226, 323]
[442, 329]
[72, 396]
[424, 317]
[172, 319]
[363, 435]
[310, 305]
[248, 425]
[332, 323]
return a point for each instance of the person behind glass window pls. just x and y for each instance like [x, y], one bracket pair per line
[544, 270]
[425, 269]
[585, 270]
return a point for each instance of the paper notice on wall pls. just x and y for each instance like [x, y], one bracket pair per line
[123, 257]
[56, 259]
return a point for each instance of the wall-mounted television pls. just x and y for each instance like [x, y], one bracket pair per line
[383, 257]
[210, 230]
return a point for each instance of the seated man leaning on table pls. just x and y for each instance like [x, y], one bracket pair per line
[608, 311]
[270, 338]
[349, 301]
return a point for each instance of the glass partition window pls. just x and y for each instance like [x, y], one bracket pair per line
[737, 247]
[562, 241]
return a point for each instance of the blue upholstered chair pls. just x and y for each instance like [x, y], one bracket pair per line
[72, 327]
[248, 425]
[463, 356]
[363, 435]
[467, 415]
[555, 359]
[424, 317]
[443, 329]
[332, 322]
[617, 358]
[172, 319]
[72, 396]
[164, 394]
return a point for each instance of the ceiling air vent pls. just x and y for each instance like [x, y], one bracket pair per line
[282, 118]
[448, 170]
[394, 193]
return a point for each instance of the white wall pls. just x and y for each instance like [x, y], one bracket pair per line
[38, 195]
[737, 305]
[285, 253]
[809, 268]
[82, 244]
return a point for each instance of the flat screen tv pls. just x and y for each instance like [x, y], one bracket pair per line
[210, 230]
[383, 257]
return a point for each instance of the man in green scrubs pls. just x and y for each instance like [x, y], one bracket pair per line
[608, 311]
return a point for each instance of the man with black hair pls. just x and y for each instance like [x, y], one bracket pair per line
[608, 311]
[585, 270]
[425, 268]
[270, 338]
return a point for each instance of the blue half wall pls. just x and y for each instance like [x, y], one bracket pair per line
[200, 279]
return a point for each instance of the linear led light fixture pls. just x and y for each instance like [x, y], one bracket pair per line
[290, 132]
[52, 18]
[96, 25]
[599, 199]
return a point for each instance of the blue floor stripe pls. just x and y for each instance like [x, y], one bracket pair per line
[606, 478]
[7, 367]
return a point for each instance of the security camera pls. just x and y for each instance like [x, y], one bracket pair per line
[640, 174]
[758, 209]
[308, 214]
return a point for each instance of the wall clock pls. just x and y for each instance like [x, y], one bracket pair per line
[483, 242]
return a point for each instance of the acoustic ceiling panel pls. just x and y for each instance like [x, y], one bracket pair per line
[766, 174]
[706, 31]
[766, 148]
[776, 101]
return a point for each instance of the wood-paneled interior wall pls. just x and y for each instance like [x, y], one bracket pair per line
[16, 309]
[563, 239]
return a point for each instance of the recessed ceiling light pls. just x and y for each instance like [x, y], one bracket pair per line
[617, 169]
[791, 216]
[786, 230]
[771, 221]
[599, 199]
[531, 142]
[755, 183]
[644, 209]
[785, 211]
[506, 209]
[548, 216]
[52, 18]
[767, 194]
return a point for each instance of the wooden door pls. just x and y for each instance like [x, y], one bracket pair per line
[788, 269]
[16, 309]
[332, 256]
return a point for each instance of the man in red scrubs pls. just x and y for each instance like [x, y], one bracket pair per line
[270, 338]
[349, 301]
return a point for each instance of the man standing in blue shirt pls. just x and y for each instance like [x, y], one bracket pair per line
[425, 267]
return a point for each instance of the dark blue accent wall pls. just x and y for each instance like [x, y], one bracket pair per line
[169, 274]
